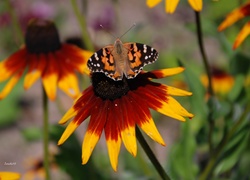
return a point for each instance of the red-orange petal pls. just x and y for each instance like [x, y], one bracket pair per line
[95, 128]
[127, 125]
[157, 74]
[9, 86]
[50, 76]
[144, 118]
[234, 16]
[36, 67]
[245, 31]
[112, 134]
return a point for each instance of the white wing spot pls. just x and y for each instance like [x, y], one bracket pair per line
[144, 48]
[96, 57]
[152, 49]
[146, 57]
[98, 65]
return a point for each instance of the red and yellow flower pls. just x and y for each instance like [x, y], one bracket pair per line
[116, 107]
[233, 17]
[170, 5]
[222, 82]
[43, 55]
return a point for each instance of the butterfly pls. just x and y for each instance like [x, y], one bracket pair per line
[122, 59]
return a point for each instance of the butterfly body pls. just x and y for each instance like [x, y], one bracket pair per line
[120, 59]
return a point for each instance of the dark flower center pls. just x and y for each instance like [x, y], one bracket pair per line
[42, 37]
[107, 88]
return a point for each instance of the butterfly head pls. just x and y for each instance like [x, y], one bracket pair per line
[118, 46]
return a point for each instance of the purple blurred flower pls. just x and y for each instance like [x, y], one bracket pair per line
[27, 11]
[106, 18]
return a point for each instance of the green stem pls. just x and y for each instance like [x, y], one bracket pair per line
[151, 155]
[83, 25]
[209, 75]
[46, 135]
[212, 161]
[17, 28]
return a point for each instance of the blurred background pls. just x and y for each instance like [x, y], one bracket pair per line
[174, 36]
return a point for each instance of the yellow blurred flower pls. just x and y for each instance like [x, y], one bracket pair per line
[221, 81]
[234, 16]
[9, 176]
[170, 5]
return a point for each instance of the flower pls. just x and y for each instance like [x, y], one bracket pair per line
[10, 176]
[234, 16]
[118, 106]
[221, 81]
[44, 56]
[171, 5]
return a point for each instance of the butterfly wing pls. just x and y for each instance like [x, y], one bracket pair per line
[139, 55]
[102, 61]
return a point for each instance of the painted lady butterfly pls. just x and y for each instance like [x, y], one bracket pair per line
[122, 59]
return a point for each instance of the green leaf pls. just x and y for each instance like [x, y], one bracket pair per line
[239, 64]
[181, 158]
[237, 88]
[233, 151]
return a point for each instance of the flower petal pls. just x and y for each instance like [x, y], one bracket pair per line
[152, 3]
[50, 77]
[68, 131]
[144, 119]
[234, 16]
[173, 109]
[94, 131]
[171, 6]
[77, 57]
[172, 91]
[69, 84]
[5, 73]
[69, 114]
[196, 4]
[163, 103]
[245, 31]
[9, 86]
[157, 74]
[127, 125]
[112, 134]
[13, 64]
[37, 64]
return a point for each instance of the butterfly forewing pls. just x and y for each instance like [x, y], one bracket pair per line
[102, 61]
[140, 55]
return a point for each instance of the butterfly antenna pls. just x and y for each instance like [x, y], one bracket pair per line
[128, 30]
[107, 31]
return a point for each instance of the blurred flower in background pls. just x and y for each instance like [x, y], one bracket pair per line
[170, 5]
[118, 106]
[45, 56]
[9, 176]
[233, 17]
[106, 18]
[24, 12]
[222, 82]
